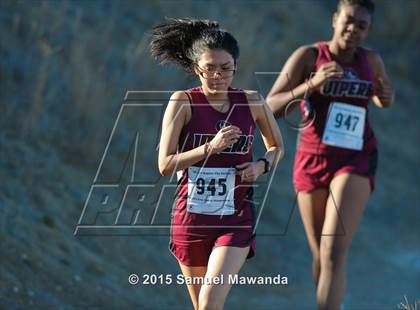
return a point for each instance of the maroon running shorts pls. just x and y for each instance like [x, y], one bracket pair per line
[314, 171]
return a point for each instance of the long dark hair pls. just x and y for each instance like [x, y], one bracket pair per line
[183, 40]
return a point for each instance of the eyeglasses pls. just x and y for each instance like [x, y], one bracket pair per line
[209, 74]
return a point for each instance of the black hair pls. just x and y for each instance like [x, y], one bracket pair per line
[183, 40]
[369, 5]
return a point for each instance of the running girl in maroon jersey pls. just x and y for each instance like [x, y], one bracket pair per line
[336, 157]
[207, 137]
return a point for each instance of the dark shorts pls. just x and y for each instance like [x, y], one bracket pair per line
[194, 236]
[314, 171]
[197, 253]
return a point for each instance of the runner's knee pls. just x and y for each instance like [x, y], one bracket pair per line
[316, 259]
[332, 255]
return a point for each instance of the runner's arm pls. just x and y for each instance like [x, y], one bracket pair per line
[269, 129]
[290, 83]
[383, 91]
[174, 119]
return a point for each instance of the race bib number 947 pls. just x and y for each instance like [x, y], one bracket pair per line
[345, 126]
[211, 190]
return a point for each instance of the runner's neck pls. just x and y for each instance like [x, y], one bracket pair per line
[343, 56]
[219, 101]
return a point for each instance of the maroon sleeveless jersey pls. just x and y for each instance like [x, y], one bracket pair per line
[354, 88]
[207, 183]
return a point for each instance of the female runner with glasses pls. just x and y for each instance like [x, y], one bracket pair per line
[207, 137]
[336, 158]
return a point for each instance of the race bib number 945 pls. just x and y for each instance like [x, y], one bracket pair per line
[345, 126]
[211, 190]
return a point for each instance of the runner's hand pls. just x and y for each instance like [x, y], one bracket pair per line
[224, 138]
[326, 71]
[250, 171]
[383, 89]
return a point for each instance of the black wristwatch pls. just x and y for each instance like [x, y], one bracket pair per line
[266, 164]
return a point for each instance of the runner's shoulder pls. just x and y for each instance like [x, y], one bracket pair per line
[179, 95]
[179, 100]
[305, 56]
[255, 102]
[373, 57]
[252, 96]
[371, 53]
[308, 52]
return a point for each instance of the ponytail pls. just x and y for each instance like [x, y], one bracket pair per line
[184, 40]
